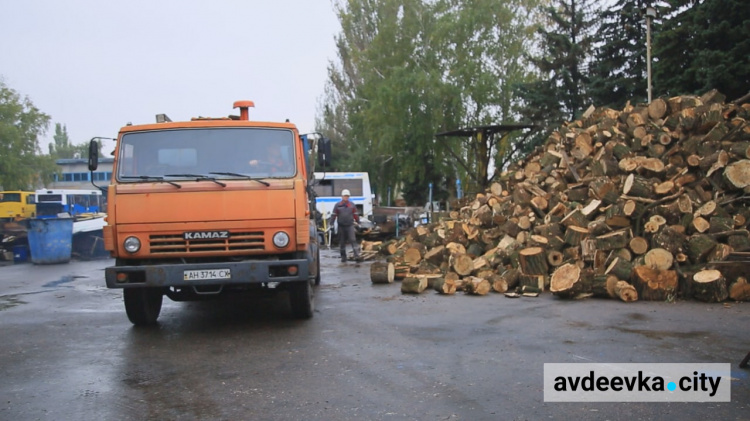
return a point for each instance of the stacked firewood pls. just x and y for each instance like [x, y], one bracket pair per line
[651, 203]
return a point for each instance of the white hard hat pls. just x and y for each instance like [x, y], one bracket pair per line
[345, 192]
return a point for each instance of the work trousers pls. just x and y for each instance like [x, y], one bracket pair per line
[346, 235]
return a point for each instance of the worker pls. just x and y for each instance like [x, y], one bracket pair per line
[348, 218]
[273, 163]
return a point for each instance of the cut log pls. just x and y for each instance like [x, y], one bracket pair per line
[699, 246]
[412, 256]
[533, 261]
[637, 186]
[625, 292]
[575, 234]
[740, 290]
[435, 255]
[555, 258]
[463, 264]
[575, 219]
[566, 281]
[506, 281]
[657, 109]
[534, 281]
[709, 286]
[659, 258]
[476, 286]
[382, 273]
[737, 174]
[654, 284]
[620, 268]
[603, 286]
[638, 245]
[401, 271]
[614, 240]
[413, 285]
[445, 286]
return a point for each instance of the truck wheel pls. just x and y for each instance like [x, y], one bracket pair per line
[301, 299]
[317, 272]
[143, 305]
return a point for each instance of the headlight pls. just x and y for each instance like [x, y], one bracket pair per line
[132, 244]
[281, 239]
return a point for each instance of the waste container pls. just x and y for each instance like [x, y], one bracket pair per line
[50, 240]
[20, 254]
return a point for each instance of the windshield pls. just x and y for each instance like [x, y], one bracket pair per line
[187, 153]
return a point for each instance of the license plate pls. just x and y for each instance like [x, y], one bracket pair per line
[198, 275]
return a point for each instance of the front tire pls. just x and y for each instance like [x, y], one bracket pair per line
[143, 305]
[301, 299]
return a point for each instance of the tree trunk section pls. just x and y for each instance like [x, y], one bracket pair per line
[382, 273]
[533, 261]
[709, 286]
[625, 292]
[476, 286]
[565, 281]
[413, 285]
[574, 235]
[659, 258]
[654, 284]
[506, 281]
[740, 290]
[638, 245]
[445, 286]
[463, 264]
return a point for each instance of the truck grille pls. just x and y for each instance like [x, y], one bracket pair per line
[237, 241]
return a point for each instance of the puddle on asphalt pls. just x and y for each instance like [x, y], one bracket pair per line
[661, 334]
[10, 301]
[64, 280]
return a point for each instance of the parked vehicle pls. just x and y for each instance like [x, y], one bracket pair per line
[329, 185]
[52, 202]
[207, 207]
[16, 205]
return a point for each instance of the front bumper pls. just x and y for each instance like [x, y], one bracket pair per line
[174, 275]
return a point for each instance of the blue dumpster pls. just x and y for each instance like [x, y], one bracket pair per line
[50, 240]
[20, 254]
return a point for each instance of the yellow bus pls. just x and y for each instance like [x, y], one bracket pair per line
[16, 205]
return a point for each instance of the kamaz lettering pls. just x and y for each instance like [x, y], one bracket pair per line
[207, 235]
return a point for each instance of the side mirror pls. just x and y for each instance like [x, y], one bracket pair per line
[93, 155]
[324, 152]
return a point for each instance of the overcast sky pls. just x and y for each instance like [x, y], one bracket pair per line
[96, 65]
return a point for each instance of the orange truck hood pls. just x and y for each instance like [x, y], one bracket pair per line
[200, 202]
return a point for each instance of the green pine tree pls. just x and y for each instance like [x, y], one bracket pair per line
[702, 45]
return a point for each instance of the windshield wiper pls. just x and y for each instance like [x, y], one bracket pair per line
[198, 177]
[152, 178]
[234, 174]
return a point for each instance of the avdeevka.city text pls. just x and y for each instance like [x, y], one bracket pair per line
[640, 383]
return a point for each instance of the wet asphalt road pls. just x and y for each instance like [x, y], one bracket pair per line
[67, 351]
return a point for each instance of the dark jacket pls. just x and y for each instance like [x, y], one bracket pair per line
[346, 213]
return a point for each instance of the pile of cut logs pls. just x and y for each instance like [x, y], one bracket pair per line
[651, 203]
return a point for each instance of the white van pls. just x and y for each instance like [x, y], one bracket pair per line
[328, 187]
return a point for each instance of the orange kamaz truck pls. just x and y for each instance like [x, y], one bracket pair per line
[211, 206]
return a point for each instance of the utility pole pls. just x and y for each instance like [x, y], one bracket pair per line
[650, 15]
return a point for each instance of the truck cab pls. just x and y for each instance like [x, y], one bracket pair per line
[207, 207]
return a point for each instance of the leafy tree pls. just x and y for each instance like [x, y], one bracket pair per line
[408, 69]
[618, 70]
[483, 46]
[702, 45]
[21, 125]
[385, 96]
[63, 148]
[566, 41]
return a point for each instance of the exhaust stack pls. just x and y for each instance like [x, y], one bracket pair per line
[243, 106]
